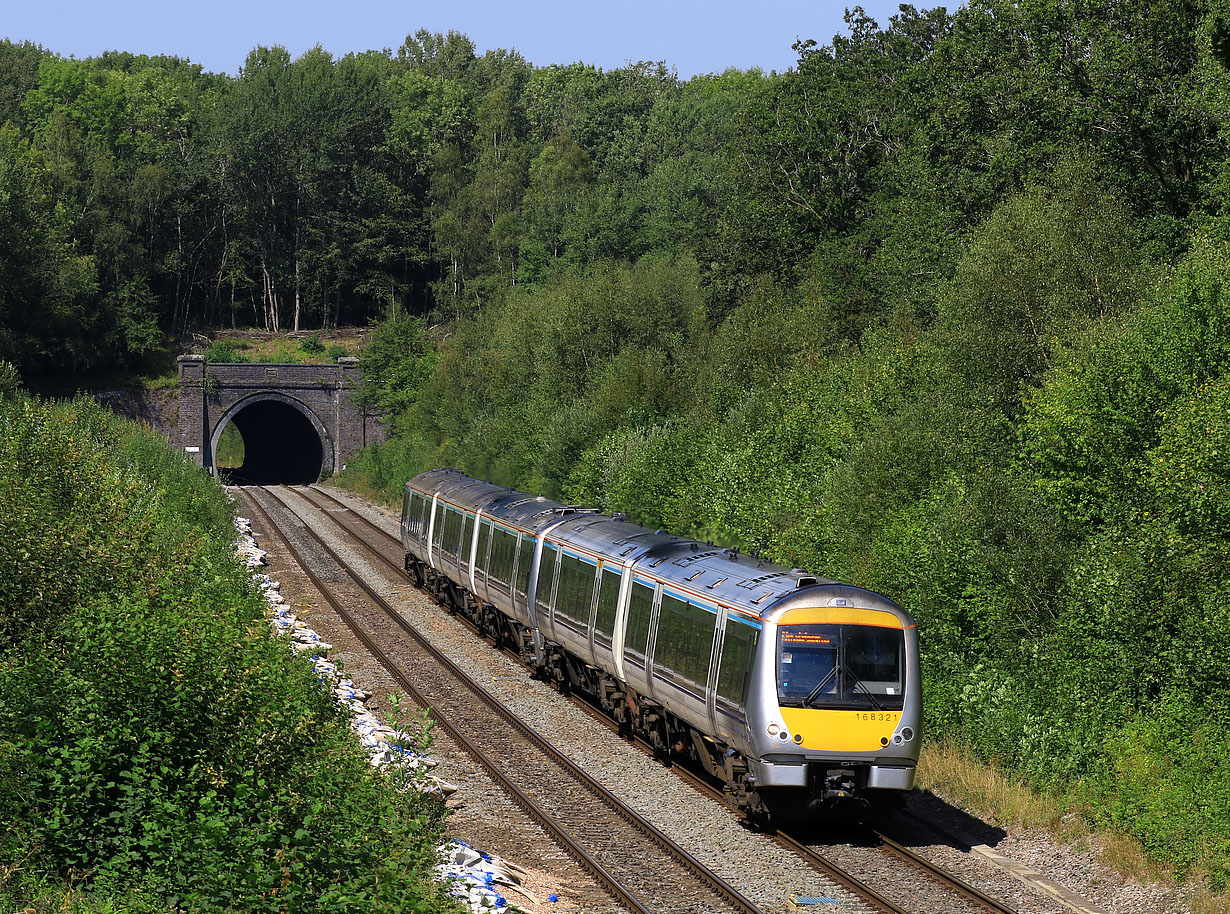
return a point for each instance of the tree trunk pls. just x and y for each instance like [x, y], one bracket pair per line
[298, 229]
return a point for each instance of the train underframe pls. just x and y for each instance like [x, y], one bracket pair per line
[673, 740]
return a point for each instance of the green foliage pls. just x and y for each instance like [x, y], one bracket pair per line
[153, 733]
[10, 379]
[221, 351]
[312, 344]
[396, 363]
[939, 311]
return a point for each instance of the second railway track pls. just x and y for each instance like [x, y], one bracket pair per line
[639, 865]
[929, 889]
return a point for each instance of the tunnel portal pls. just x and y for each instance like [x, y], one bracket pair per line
[281, 446]
[299, 422]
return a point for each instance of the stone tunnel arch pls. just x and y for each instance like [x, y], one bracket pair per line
[284, 439]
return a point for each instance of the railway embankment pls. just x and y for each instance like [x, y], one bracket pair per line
[160, 748]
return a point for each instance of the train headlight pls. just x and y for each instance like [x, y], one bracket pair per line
[897, 739]
[773, 729]
[907, 733]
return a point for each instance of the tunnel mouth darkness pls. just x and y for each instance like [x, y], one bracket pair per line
[280, 447]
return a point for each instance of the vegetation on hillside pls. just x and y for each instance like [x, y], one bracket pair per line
[160, 749]
[957, 333]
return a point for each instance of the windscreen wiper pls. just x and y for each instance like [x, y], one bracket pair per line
[858, 683]
[815, 693]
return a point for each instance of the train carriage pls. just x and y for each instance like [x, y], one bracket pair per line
[795, 690]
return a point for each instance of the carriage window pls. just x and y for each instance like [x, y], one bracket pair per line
[502, 546]
[465, 540]
[608, 599]
[484, 544]
[418, 514]
[546, 576]
[685, 638]
[738, 650]
[640, 608]
[525, 559]
[441, 514]
[452, 521]
[576, 588]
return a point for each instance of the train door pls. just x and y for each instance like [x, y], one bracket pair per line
[473, 551]
[621, 623]
[431, 529]
[544, 597]
[526, 544]
[652, 640]
[715, 653]
[483, 576]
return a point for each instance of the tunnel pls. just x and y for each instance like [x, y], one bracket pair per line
[281, 445]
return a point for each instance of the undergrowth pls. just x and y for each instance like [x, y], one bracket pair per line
[159, 748]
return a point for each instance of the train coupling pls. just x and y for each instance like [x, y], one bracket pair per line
[834, 783]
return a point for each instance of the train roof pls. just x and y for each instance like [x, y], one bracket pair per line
[694, 569]
[517, 509]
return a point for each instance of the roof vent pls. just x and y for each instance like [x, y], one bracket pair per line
[619, 516]
[732, 554]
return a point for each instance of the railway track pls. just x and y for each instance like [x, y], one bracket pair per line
[953, 893]
[638, 864]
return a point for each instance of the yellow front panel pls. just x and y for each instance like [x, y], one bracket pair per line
[840, 731]
[839, 615]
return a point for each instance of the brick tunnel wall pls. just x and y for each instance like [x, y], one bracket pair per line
[206, 392]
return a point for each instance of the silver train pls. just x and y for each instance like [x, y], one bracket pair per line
[794, 690]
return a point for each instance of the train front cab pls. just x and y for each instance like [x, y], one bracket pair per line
[838, 696]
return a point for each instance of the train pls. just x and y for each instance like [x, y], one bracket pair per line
[797, 692]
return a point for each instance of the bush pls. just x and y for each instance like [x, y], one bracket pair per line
[220, 351]
[312, 344]
[10, 379]
[156, 740]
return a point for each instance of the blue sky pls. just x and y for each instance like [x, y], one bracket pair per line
[693, 37]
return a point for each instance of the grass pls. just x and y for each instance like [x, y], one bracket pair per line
[957, 775]
[314, 347]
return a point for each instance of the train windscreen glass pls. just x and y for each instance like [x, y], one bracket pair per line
[840, 666]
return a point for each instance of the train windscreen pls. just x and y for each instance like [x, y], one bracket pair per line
[840, 666]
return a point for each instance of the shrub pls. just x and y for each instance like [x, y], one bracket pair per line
[220, 351]
[156, 740]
